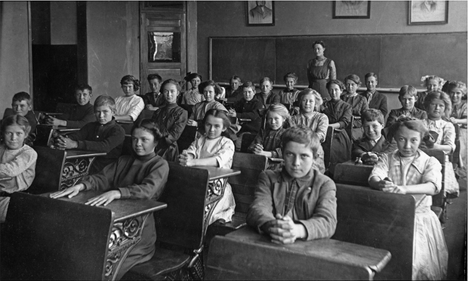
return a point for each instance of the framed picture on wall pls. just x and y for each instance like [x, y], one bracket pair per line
[351, 9]
[260, 13]
[427, 12]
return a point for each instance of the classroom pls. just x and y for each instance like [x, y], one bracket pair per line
[165, 114]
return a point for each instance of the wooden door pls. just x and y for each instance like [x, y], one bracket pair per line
[162, 41]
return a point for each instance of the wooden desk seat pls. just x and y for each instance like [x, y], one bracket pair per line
[49, 167]
[180, 227]
[381, 220]
[247, 255]
[49, 239]
[243, 188]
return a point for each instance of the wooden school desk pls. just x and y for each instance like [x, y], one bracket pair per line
[216, 185]
[246, 255]
[129, 216]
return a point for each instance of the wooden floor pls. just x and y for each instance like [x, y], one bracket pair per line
[455, 235]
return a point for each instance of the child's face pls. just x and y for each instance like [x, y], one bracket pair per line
[456, 94]
[170, 93]
[143, 142]
[290, 82]
[407, 141]
[195, 82]
[21, 107]
[103, 114]
[372, 129]
[298, 159]
[308, 103]
[82, 97]
[407, 101]
[214, 127]
[234, 84]
[249, 93]
[155, 85]
[274, 120]
[14, 136]
[266, 87]
[335, 91]
[432, 85]
[371, 83]
[436, 109]
[128, 89]
[351, 86]
[209, 93]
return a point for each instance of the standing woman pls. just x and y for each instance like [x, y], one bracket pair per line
[320, 70]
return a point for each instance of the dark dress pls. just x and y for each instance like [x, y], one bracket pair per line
[171, 120]
[318, 77]
[339, 111]
[136, 177]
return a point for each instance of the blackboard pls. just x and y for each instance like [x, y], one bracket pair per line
[398, 59]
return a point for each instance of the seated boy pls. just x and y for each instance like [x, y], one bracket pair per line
[248, 108]
[129, 106]
[104, 135]
[154, 99]
[81, 114]
[372, 143]
[297, 202]
[234, 91]
[22, 105]
[407, 96]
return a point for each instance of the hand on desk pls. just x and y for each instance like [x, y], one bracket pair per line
[186, 159]
[283, 230]
[387, 185]
[63, 142]
[151, 107]
[54, 121]
[232, 113]
[70, 192]
[191, 122]
[100, 200]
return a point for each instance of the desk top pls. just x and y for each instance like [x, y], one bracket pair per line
[122, 209]
[335, 251]
[218, 173]
[75, 153]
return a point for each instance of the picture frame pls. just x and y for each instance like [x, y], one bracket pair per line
[260, 13]
[424, 12]
[351, 9]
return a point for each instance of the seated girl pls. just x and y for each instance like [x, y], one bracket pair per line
[171, 120]
[129, 106]
[103, 135]
[409, 170]
[339, 115]
[372, 144]
[288, 96]
[266, 95]
[209, 89]
[309, 103]
[457, 92]
[432, 83]
[141, 175]
[297, 202]
[357, 102]
[248, 108]
[442, 134]
[374, 98]
[192, 96]
[213, 149]
[407, 97]
[17, 160]
[268, 140]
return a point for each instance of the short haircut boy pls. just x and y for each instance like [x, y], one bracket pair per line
[82, 87]
[407, 89]
[22, 96]
[373, 114]
[248, 84]
[154, 76]
[302, 135]
[104, 100]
